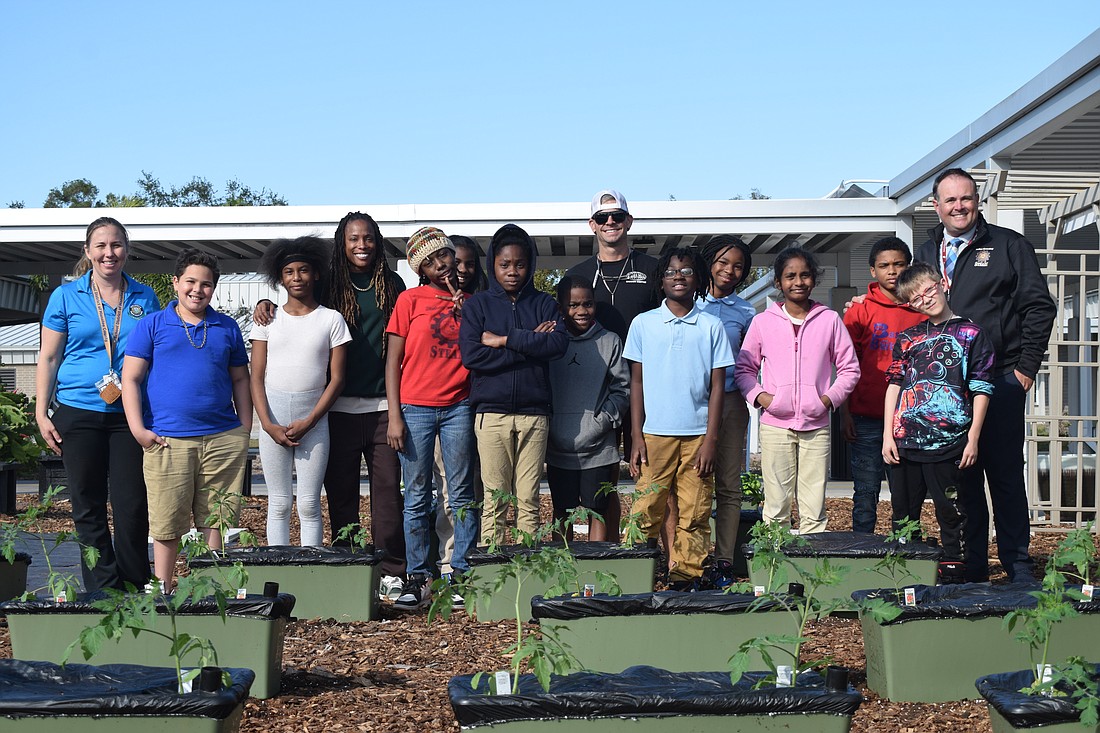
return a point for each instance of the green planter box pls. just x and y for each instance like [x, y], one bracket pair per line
[13, 576]
[680, 632]
[1012, 710]
[648, 699]
[934, 651]
[858, 552]
[40, 697]
[251, 636]
[633, 568]
[326, 582]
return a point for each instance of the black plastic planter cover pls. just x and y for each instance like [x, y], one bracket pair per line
[644, 691]
[967, 600]
[647, 604]
[292, 555]
[580, 550]
[253, 605]
[1002, 691]
[42, 688]
[853, 544]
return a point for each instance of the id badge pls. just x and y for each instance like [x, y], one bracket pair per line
[110, 387]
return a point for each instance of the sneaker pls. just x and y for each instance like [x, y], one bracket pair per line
[721, 574]
[951, 572]
[389, 588]
[415, 594]
[458, 603]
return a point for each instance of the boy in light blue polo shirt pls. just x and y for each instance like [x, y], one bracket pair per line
[193, 363]
[678, 356]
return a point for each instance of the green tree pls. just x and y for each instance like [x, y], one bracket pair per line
[76, 194]
[15, 205]
[547, 280]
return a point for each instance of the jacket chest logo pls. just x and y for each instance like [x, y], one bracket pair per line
[982, 256]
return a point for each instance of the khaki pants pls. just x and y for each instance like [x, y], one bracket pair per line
[795, 464]
[728, 465]
[512, 450]
[671, 467]
[183, 478]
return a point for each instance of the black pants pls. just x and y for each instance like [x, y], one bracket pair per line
[911, 482]
[355, 437]
[103, 461]
[1001, 459]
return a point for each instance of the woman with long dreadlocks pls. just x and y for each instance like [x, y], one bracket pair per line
[363, 289]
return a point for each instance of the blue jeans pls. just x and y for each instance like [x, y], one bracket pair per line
[454, 426]
[868, 470]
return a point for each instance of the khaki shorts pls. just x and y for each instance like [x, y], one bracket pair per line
[184, 479]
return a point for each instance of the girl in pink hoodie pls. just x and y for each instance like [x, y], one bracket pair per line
[785, 369]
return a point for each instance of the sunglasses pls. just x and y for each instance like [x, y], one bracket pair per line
[601, 217]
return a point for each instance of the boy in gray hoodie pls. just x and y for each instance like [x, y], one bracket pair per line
[589, 385]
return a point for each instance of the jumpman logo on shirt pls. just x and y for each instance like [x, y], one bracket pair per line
[573, 361]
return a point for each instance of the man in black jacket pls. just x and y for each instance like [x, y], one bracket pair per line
[993, 279]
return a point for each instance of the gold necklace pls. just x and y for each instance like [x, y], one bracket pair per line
[188, 332]
[356, 287]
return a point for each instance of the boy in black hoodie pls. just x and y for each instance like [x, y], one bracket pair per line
[507, 338]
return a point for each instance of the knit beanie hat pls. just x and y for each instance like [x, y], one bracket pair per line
[422, 245]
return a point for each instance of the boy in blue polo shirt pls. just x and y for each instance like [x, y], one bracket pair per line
[678, 357]
[192, 361]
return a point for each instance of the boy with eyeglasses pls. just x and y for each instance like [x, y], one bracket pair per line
[874, 325]
[678, 357]
[936, 402]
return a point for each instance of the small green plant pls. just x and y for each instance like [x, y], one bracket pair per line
[769, 541]
[542, 650]
[354, 534]
[752, 488]
[631, 525]
[1054, 604]
[138, 613]
[58, 584]
[20, 441]
[893, 566]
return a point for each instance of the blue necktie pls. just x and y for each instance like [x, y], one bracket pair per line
[952, 255]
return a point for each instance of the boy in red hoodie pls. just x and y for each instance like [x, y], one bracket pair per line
[873, 325]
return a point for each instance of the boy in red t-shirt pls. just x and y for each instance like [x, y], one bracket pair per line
[873, 325]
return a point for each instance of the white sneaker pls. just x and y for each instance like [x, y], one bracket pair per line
[389, 588]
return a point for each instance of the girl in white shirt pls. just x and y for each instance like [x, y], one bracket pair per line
[297, 373]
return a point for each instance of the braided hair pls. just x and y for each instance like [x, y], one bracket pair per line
[717, 245]
[341, 292]
[702, 272]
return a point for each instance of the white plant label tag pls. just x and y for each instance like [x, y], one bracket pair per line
[187, 686]
[758, 590]
[910, 596]
[1086, 591]
[61, 597]
[503, 682]
[783, 675]
[242, 593]
[1044, 673]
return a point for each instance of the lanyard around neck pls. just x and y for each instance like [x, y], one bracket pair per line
[109, 340]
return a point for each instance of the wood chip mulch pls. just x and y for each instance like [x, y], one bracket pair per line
[392, 675]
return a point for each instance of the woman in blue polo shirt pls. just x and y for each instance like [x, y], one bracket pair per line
[84, 332]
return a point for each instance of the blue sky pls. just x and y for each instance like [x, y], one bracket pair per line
[455, 102]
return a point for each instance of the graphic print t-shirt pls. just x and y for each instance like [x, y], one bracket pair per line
[940, 369]
[432, 374]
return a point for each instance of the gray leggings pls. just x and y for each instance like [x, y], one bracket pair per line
[309, 460]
